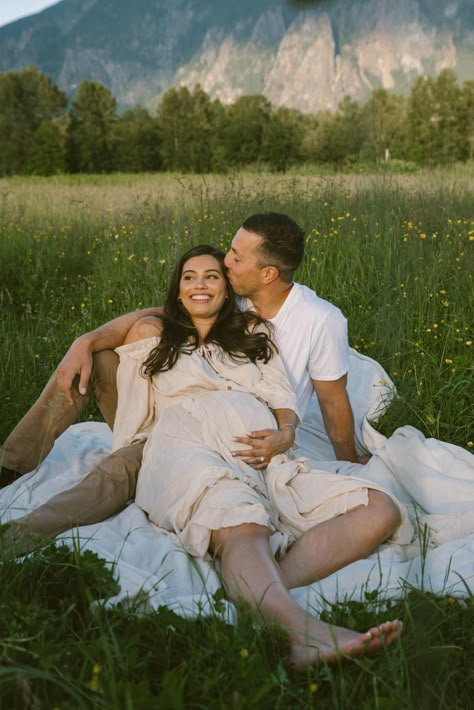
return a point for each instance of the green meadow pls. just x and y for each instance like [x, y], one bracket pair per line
[395, 253]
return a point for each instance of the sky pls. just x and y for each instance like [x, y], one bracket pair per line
[11, 10]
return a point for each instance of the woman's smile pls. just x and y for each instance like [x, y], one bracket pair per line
[201, 297]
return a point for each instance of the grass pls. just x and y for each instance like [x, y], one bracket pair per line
[394, 252]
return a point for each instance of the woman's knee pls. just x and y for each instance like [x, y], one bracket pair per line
[384, 513]
[224, 537]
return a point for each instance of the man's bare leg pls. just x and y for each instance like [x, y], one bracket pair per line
[250, 572]
[336, 543]
[33, 437]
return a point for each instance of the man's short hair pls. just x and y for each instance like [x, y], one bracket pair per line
[282, 242]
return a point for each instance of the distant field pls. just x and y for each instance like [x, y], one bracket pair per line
[395, 253]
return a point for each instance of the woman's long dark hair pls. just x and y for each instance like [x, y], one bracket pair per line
[233, 330]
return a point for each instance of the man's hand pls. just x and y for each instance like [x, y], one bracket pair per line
[77, 361]
[263, 445]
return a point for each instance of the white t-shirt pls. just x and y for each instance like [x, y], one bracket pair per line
[311, 335]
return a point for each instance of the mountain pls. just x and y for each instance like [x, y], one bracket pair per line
[307, 57]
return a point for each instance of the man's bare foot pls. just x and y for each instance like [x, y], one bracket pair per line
[327, 644]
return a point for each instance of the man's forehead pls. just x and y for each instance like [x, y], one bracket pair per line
[245, 241]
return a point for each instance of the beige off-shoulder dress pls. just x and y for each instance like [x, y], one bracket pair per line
[189, 482]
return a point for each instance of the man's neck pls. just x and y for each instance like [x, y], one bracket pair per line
[268, 302]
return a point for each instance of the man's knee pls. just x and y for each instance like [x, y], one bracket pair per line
[122, 467]
[103, 382]
[104, 366]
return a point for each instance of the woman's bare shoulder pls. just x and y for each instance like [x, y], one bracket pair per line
[147, 327]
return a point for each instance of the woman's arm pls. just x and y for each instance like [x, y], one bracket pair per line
[136, 409]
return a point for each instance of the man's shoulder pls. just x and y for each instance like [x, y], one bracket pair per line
[305, 299]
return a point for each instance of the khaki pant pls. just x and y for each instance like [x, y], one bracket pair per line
[104, 491]
[33, 438]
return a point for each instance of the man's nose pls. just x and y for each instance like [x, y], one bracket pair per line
[227, 259]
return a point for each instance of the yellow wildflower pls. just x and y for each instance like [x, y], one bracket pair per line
[94, 681]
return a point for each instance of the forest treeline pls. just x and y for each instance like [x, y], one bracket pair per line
[43, 132]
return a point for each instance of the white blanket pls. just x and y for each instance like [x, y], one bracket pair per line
[433, 478]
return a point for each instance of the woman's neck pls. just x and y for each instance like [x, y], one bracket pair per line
[203, 326]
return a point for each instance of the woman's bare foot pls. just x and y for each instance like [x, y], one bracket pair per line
[323, 643]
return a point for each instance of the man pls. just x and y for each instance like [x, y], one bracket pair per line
[310, 333]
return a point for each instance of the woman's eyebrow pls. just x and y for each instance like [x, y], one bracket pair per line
[207, 271]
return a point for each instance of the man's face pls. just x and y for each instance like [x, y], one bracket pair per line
[241, 263]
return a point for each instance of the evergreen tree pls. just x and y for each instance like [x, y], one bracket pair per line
[208, 117]
[28, 98]
[174, 121]
[190, 125]
[384, 121]
[93, 118]
[246, 124]
[136, 142]
[282, 136]
[48, 149]
[339, 136]
[467, 118]
[309, 141]
[436, 129]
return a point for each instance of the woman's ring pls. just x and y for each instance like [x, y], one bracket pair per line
[262, 459]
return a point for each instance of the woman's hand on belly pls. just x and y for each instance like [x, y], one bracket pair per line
[262, 445]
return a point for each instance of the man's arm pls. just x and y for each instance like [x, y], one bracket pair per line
[78, 359]
[337, 417]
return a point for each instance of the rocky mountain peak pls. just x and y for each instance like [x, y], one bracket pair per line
[308, 59]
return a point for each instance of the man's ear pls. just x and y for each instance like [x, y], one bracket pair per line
[270, 274]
